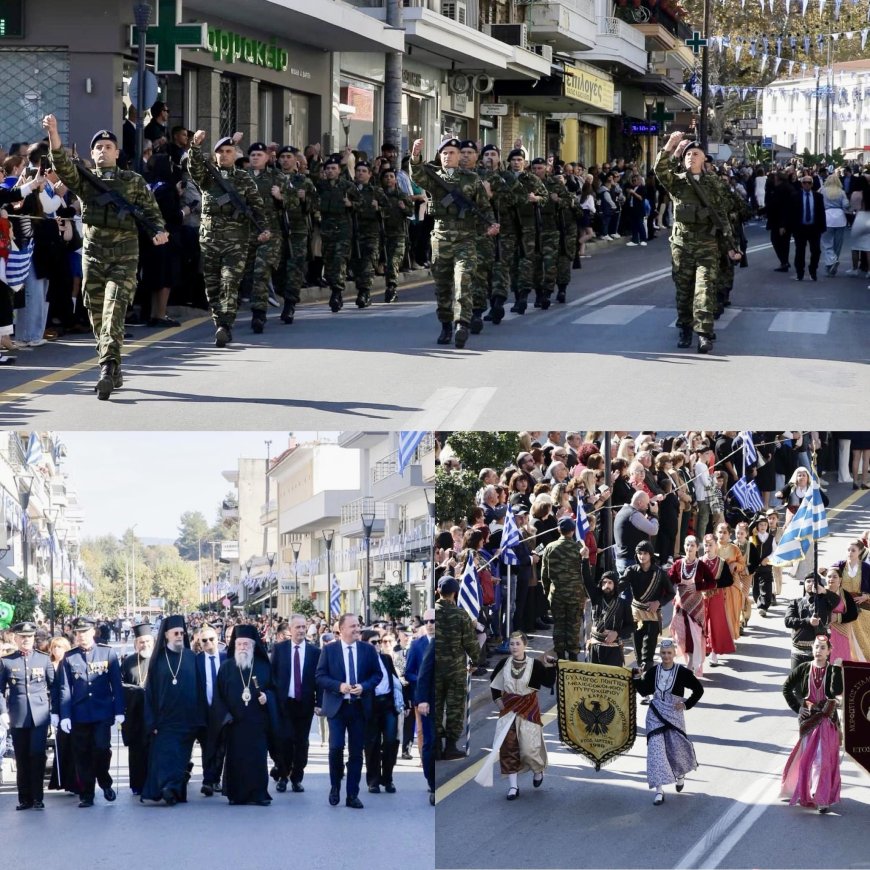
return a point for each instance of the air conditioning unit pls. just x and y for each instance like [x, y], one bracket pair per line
[455, 9]
[512, 34]
[545, 51]
[459, 83]
[483, 84]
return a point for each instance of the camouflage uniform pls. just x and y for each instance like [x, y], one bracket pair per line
[482, 278]
[336, 231]
[507, 194]
[454, 248]
[111, 250]
[564, 262]
[694, 244]
[223, 237]
[738, 212]
[562, 575]
[519, 223]
[263, 259]
[396, 227]
[290, 274]
[368, 239]
[457, 642]
[548, 261]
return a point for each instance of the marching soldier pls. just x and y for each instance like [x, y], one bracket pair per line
[738, 212]
[339, 199]
[457, 642]
[230, 204]
[27, 676]
[110, 257]
[563, 565]
[566, 218]
[552, 240]
[366, 246]
[460, 203]
[91, 696]
[290, 275]
[468, 158]
[399, 208]
[699, 219]
[264, 258]
[134, 675]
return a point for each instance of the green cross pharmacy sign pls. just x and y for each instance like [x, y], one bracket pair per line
[167, 36]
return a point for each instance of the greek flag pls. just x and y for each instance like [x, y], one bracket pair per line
[510, 537]
[808, 524]
[34, 450]
[746, 492]
[750, 454]
[582, 521]
[18, 265]
[408, 442]
[334, 597]
[469, 598]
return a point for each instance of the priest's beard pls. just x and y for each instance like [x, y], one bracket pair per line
[146, 653]
[175, 646]
[244, 658]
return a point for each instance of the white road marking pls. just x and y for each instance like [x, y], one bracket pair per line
[614, 315]
[727, 318]
[451, 408]
[812, 322]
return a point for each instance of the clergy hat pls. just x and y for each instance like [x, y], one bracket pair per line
[517, 152]
[24, 628]
[103, 136]
[142, 630]
[448, 586]
[246, 630]
[566, 524]
[487, 148]
[226, 140]
[258, 146]
[468, 143]
[172, 622]
[449, 143]
[83, 623]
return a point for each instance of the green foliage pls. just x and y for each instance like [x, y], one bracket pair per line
[476, 450]
[392, 601]
[304, 606]
[62, 605]
[454, 494]
[192, 528]
[21, 596]
[836, 158]
[756, 154]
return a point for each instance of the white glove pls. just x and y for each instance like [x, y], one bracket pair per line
[65, 725]
[4, 720]
[119, 719]
[55, 720]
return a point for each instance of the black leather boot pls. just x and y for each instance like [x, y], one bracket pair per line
[476, 325]
[461, 335]
[561, 296]
[118, 379]
[289, 312]
[106, 383]
[258, 320]
[497, 310]
[446, 336]
[390, 294]
[335, 301]
[685, 339]
[705, 342]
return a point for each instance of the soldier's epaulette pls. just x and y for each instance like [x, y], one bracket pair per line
[105, 645]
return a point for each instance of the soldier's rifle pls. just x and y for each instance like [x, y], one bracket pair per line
[114, 198]
[563, 233]
[455, 197]
[355, 250]
[518, 229]
[284, 218]
[382, 238]
[230, 196]
[539, 226]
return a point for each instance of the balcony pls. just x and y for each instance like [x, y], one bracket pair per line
[315, 513]
[618, 43]
[567, 25]
[387, 483]
[360, 440]
[351, 524]
[269, 513]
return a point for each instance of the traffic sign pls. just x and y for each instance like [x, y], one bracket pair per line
[151, 88]
[493, 108]
[767, 142]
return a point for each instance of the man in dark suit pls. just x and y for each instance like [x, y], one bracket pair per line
[347, 673]
[412, 667]
[209, 662]
[27, 675]
[424, 699]
[807, 225]
[294, 663]
[382, 736]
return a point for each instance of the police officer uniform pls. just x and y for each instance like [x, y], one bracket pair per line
[91, 695]
[27, 677]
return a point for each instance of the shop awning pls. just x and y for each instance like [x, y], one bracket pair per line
[665, 86]
[572, 89]
[330, 26]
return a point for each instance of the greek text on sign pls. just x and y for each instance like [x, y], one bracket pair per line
[587, 88]
[231, 47]
[493, 108]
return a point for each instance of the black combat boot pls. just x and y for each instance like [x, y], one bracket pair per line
[222, 336]
[446, 336]
[705, 342]
[289, 312]
[520, 305]
[106, 383]
[496, 310]
[561, 296]
[391, 294]
[538, 298]
[258, 320]
[452, 752]
[363, 300]
[461, 335]
[335, 301]
[545, 302]
[118, 379]
[578, 263]
[685, 339]
[476, 325]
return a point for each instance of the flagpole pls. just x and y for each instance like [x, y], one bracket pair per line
[467, 711]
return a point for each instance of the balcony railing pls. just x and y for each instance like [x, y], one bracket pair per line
[13, 451]
[352, 511]
[617, 27]
[390, 464]
[647, 14]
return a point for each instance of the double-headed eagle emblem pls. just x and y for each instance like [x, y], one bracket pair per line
[595, 719]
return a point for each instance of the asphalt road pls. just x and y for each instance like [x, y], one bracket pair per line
[729, 815]
[783, 345]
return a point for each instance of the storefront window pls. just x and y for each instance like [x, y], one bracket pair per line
[358, 115]
[413, 119]
[528, 130]
[453, 126]
[227, 124]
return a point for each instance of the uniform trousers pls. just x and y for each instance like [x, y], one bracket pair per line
[29, 745]
[92, 750]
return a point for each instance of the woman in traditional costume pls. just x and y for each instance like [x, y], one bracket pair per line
[844, 612]
[856, 581]
[518, 745]
[736, 592]
[690, 577]
[717, 631]
[812, 773]
[670, 754]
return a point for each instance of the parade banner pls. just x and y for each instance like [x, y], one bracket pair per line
[856, 712]
[596, 706]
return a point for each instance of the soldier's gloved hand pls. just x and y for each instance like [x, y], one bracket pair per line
[119, 719]
[65, 726]
[4, 720]
[55, 720]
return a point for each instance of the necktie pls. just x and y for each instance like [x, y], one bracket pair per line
[351, 669]
[213, 674]
[297, 674]
[807, 218]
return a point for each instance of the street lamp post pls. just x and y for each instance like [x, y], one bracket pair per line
[430, 592]
[25, 487]
[367, 515]
[51, 516]
[271, 558]
[297, 546]
[142, 16]
[328, 535]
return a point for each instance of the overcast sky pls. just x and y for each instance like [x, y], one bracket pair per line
[150, 478]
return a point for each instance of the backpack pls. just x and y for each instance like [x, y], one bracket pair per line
[487, 586]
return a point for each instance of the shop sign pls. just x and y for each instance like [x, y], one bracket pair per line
[587, 88]
[493, 108]
[12, 19]
[414, 79]
[642, 128]
[231, 47]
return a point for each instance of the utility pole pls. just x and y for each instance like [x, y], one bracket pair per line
[705, 77]
[393, 83]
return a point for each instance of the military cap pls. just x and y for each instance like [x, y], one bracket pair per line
[258, 146]
[693, 144]
[142, 630]
[387, 169]
[24, 628]
[517, 152]
[487, 148]
[226, 140]
[645, 547]
[287, 149]
[448, 586]
[539, 161]
[558, 169]
[331, 161]
[363, 164]
[83, 623]
[103, 136]
[449, 143]
[566, 524]
[468, 143]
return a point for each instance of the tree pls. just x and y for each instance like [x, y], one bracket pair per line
[192, 528]
[454, 494]
[21, 596]
[174, 580]
[62, 605]
[476, 450]
[305, 607]
[392, 601]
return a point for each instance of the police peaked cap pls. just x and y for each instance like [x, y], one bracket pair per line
[468, 143]
[487, 148]
[103, 136]
[24, 628]
[517, 152]
[142, 630]
[227, 140]
[258, 146]
[83, 623]
[539, 161]
[287, 149]
[449, 143]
